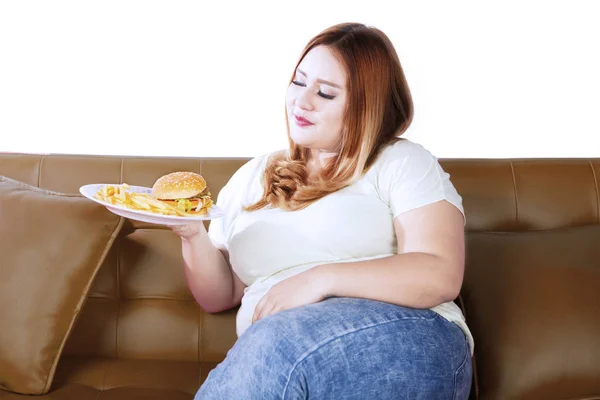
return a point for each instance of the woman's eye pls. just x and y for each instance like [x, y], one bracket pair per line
[323, 95]
[326, 96]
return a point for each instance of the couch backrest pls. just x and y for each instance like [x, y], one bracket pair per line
[140, 306]
[527, 195]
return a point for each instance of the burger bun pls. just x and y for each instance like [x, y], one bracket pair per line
[178, 185]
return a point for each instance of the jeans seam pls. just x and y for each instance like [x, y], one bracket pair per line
[335, 337]
[461, 367]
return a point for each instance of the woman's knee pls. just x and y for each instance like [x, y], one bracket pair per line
[409, 358]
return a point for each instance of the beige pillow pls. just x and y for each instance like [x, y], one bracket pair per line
[51, 246]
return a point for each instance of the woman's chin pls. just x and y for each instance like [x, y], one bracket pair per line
[300, 139]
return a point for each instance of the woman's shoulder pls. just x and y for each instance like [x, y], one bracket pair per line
[401, 152]
[408, 176]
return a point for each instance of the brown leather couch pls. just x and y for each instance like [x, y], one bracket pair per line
[531, 293]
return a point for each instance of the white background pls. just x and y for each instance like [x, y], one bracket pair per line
[195, 78]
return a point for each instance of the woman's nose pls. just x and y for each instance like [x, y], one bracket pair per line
[303, 100]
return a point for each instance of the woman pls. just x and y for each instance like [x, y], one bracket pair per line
[345, 252]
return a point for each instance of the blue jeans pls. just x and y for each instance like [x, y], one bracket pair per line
[345, 348]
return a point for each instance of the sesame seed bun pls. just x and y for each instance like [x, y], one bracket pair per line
[178, 185]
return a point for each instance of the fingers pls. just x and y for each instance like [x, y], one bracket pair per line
[180, 230]
[265, 312]
[186, 231]
[259, 308]
[264, 308]
[177, 228]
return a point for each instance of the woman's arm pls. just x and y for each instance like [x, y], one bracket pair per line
[427, 271]
[210, 278]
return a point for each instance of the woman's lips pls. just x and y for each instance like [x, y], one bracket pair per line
[302, 121]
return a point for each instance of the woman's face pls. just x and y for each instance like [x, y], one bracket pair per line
[316, 100]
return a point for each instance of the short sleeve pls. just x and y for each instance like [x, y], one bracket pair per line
[218, 226]
[243, 187]
[411, 177]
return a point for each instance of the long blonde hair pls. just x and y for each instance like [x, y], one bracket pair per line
[379, 109]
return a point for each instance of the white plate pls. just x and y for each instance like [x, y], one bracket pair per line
[145, 216]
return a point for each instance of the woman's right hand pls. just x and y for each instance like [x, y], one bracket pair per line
[188, 231]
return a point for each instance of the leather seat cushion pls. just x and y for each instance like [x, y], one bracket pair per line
[90, 378]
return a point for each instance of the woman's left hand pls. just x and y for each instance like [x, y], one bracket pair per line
[305, 288]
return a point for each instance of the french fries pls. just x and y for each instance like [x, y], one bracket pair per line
[120, 195]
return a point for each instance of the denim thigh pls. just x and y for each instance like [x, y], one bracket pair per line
[345, 348]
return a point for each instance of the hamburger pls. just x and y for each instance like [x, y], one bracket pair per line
[187, 191]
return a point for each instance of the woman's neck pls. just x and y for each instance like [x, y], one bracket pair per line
[317, 161]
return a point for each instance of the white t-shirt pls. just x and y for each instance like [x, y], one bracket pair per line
[352, 224]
